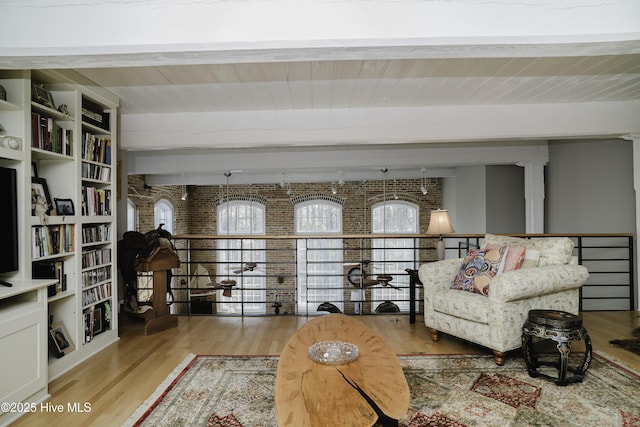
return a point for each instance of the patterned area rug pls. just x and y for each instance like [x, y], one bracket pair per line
[468, 390]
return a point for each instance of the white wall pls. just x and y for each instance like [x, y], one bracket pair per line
[505, 199]
[469, 212]
[590, 187]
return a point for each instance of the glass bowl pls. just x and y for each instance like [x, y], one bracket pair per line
[333, 352]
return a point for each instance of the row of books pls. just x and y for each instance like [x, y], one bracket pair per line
[92, 277]
[96, 233]
[98, 293]
[96, 201]
[46, 134]
[96, 257]
[97, 172]
[96, 148]
[51, 240]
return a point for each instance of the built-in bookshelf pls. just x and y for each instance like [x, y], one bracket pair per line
[65, 163]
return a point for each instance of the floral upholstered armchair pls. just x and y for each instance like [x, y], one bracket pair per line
[486, 296]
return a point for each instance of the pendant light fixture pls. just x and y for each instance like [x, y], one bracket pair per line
[423, 182]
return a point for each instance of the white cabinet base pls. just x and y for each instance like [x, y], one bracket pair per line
[23, 340]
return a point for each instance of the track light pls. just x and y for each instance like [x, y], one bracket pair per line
[423, 183]
[334, 190]
[185, 194]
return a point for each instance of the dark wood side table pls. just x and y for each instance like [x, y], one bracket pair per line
[414, 281]
[561, 327]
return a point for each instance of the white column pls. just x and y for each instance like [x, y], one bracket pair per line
[534, 196]
[635, 138]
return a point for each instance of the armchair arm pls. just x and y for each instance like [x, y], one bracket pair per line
[532, 282]
[440, 274]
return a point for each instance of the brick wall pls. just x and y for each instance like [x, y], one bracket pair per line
[197, 216]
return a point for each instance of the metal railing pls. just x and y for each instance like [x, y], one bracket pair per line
[278, 275]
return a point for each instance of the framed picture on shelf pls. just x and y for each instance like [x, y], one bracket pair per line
[40, 195]
[98, 320]
[64, 207]
[61, 343]
[42, 96]
[88, 325]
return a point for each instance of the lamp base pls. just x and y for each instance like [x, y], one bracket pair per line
[440, 250]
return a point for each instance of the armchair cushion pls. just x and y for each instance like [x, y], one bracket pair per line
[478, 268]
[466, 305]
[553, 250]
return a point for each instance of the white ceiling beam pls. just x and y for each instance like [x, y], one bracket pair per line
[378, 125]
[80, 34]
[315, 164]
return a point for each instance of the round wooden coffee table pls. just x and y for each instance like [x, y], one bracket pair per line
[372, 387]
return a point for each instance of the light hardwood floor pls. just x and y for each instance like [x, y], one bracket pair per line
[117, 380]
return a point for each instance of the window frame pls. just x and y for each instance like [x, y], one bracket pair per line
[321, 276]
[388, 252]
[249, 295]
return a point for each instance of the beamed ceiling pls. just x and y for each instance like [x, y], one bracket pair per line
[348, 104]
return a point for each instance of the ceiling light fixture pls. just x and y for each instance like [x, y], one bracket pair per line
[334, 190]
[423, 182]
[185, 194]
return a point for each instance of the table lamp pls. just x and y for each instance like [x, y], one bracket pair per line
[440, 224]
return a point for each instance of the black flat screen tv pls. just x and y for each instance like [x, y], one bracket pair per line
[8, 220]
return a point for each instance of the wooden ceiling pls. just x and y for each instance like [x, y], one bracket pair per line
[345, 84]
[207, 87]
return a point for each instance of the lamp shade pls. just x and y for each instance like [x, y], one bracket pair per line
[440, 222]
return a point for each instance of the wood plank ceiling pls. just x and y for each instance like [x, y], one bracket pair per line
[371, 83]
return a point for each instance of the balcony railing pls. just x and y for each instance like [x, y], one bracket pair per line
[296, 275]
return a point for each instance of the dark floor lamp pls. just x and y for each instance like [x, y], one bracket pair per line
[440, 224]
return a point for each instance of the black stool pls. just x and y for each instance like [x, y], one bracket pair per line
[561, 327]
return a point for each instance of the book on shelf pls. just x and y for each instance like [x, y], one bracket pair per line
[48, 135]
[94, 114]
[98, 293]
[96, 172]
[96, 201]
[96, 233]
[50, 240]
[96, 257]
[96, 148]
[95, 276]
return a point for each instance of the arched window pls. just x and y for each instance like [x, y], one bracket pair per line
[319, 260]
[163, 211]
[245, 218]
[132, 215]
[392, 256]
